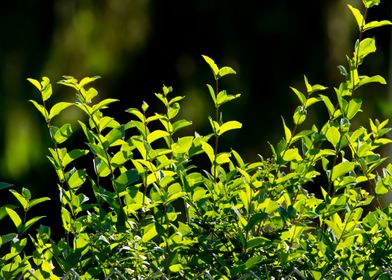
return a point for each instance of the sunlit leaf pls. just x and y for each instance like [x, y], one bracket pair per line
[58, 108]
[72, 155]
[225, 71]
[223, 158]
[15, 218]
[22, 200]
[212, 94]
[62, 134]
[36, 83]
[156, 134]
[36, 201]
[87, 80]
[292, 154]
[354, 106]
[208, 150]
[376, 24]
[214, 67]
[230, 125]
[341, 169]
[77, 178]
[31, 222]
[41, 109]
[300, 95]
[333, 136]
[358, 16]
[374, 79]
[149, 233]
[287, 132]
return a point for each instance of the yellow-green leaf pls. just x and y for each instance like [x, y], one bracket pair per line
[156, 134]
[358, 16]
[58, 108]
[375, 24]
[149, 233]
[341, 169]
[15, 218]
[212, 64]
[225, 71]
[230, 125]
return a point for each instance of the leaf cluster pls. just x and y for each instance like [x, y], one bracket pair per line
[145, 210]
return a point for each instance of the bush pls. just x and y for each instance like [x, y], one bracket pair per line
[145, 209]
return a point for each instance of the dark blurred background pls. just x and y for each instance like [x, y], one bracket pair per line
[139, 45]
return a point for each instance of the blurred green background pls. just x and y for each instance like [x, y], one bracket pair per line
[139, 45]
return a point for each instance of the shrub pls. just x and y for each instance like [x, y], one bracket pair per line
[145, 210]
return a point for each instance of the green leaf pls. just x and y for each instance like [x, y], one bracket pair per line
[354, 106]
[376, 24]
[35, 82]
[287, 132]
[230, 125]
[333, 136]
[128, 177]
[58, 108]
[292, 154]
[72, 155]
[87, 80]
[4, 185]
[342, 169]
[66, 219]
[173, 110]
[299, 115]
[223, 97]
[256, 242]
[77, 178]
[114, 135]
[223, 158]
[182, 145]
[214, 67]
[318, 87]
[156, 134]
[381, 189]
[103, 104]
[358, 16]
[212, 94]
[175, 268]
[225, 71]
[41, 109]
[31, 222]
[4, 239]
[363, 80]
[208, 150]
[365, 47]
[36, 201]
[307, 85]
[90, 94]
[370, 3]
[61, 134]
[46, 91]
[300, 95]
[22, 200]
[180, 124]
[137, 113]
[149, 233]
[15, 219]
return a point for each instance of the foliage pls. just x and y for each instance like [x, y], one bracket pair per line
[146, 209]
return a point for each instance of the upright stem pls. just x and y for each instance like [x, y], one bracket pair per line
[216, 133]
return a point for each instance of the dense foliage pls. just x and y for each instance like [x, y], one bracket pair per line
[139, 202]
